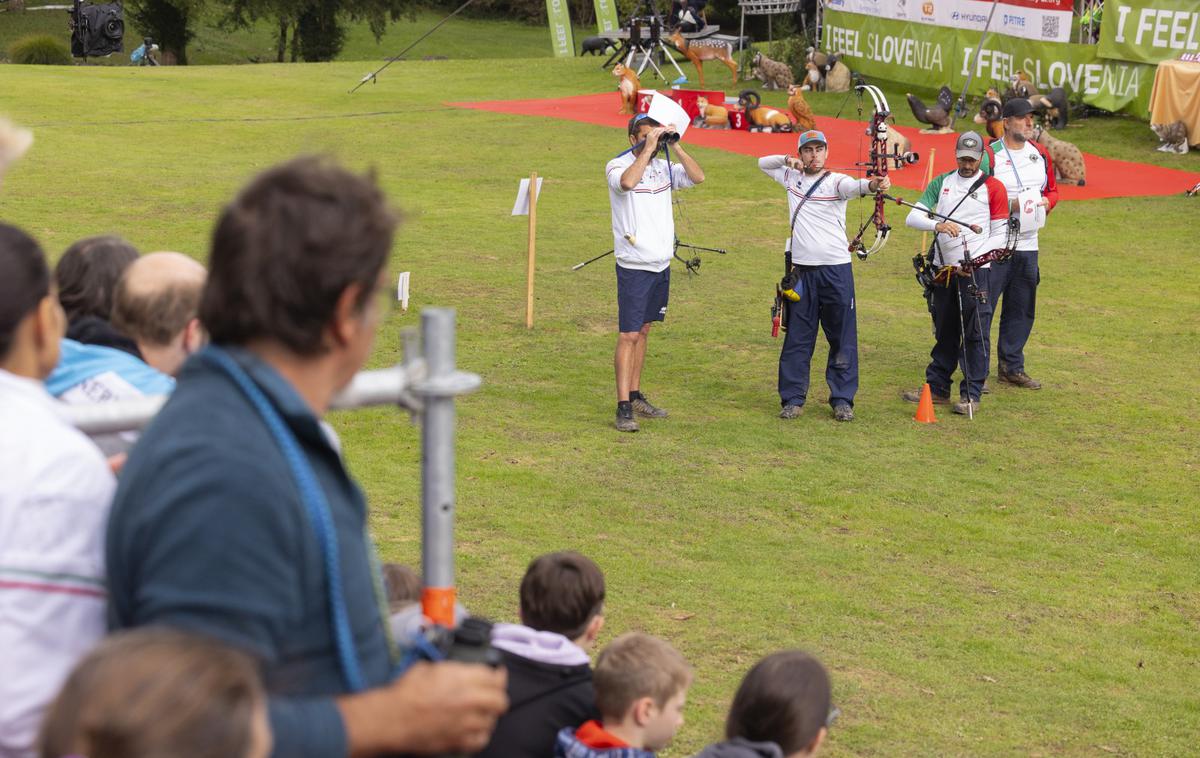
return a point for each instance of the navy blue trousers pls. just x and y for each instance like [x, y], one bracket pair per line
[1015, 280]
[827, 301]
[950, 350]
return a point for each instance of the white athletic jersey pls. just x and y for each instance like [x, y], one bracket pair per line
[55, 496]
[1021, 170]
[986, 206]
[642, 222]
[819, 234]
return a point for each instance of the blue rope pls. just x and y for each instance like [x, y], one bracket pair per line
[316, 507]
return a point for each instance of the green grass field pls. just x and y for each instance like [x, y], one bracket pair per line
[1023, 584]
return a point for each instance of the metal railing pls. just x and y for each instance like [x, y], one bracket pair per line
[425, 384]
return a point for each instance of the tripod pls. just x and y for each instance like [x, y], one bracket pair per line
[692, 264]
[649, 44]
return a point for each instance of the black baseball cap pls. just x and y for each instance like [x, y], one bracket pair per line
[1017, 107]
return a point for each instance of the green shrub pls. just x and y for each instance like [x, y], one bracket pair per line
[39, 50]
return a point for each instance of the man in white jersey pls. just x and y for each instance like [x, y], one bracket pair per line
[55, 495]
[819, 256]
[1025, 168]
[640, 186]
[960, 319]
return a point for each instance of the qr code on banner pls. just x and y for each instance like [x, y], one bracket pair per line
[1050, 27]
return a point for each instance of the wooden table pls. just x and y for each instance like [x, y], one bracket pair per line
[1176, 96]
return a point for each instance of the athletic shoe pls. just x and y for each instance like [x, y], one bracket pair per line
[914, 396]
[643, 408]
[843, 412]
[626, 423]
[791, 411]
[1021, 379]
[966, 408]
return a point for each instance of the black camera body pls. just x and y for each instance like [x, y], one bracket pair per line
[469, 642]
[97, 30]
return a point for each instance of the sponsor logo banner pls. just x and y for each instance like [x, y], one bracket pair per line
[606, 15]
[1048, 20]
[933, 56]
[560, 29]
[1149, 31]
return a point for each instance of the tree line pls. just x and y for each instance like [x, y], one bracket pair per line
[315, 30]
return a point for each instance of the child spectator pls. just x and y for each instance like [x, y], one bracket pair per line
[155, 692]
[549, 674]
[641, 685]
[55, 492]
[403, 587]
[781, 710]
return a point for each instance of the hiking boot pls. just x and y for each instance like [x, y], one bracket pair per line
[985, 389]
[1021, 379]
[791, 411]
[966, 407]
[843, 412]
[914, 396]
[626, 423]
[643, 408]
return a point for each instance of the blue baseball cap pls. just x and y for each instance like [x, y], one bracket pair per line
[812, 135]
[640, 120]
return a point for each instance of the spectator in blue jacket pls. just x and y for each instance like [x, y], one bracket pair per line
[87, 276]
[216, 530]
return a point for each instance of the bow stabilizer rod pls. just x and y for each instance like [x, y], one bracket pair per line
[932, 214]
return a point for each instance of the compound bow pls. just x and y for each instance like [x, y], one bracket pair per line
[878, 158]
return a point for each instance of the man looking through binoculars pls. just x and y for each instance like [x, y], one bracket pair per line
[640, 186]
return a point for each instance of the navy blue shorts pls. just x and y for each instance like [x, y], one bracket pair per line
[641, 297]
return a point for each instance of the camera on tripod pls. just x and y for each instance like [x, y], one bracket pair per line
[96, 30]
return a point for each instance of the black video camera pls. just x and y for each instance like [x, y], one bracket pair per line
[96, 30]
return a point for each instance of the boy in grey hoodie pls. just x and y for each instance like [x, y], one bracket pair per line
[549, 672]
[781, 710]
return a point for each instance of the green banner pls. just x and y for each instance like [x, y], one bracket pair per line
[606, 15]
[560, 29]
[933, 56]
[1148, 31]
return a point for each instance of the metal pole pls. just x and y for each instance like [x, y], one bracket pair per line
[961, 105]
[380, 387]
[437, 465]
[741, 46]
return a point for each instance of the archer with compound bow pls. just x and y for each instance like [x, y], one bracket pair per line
[967, 193]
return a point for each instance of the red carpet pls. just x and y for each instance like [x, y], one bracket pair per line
[1105, 177]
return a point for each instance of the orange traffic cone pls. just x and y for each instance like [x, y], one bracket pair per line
[925, 407]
